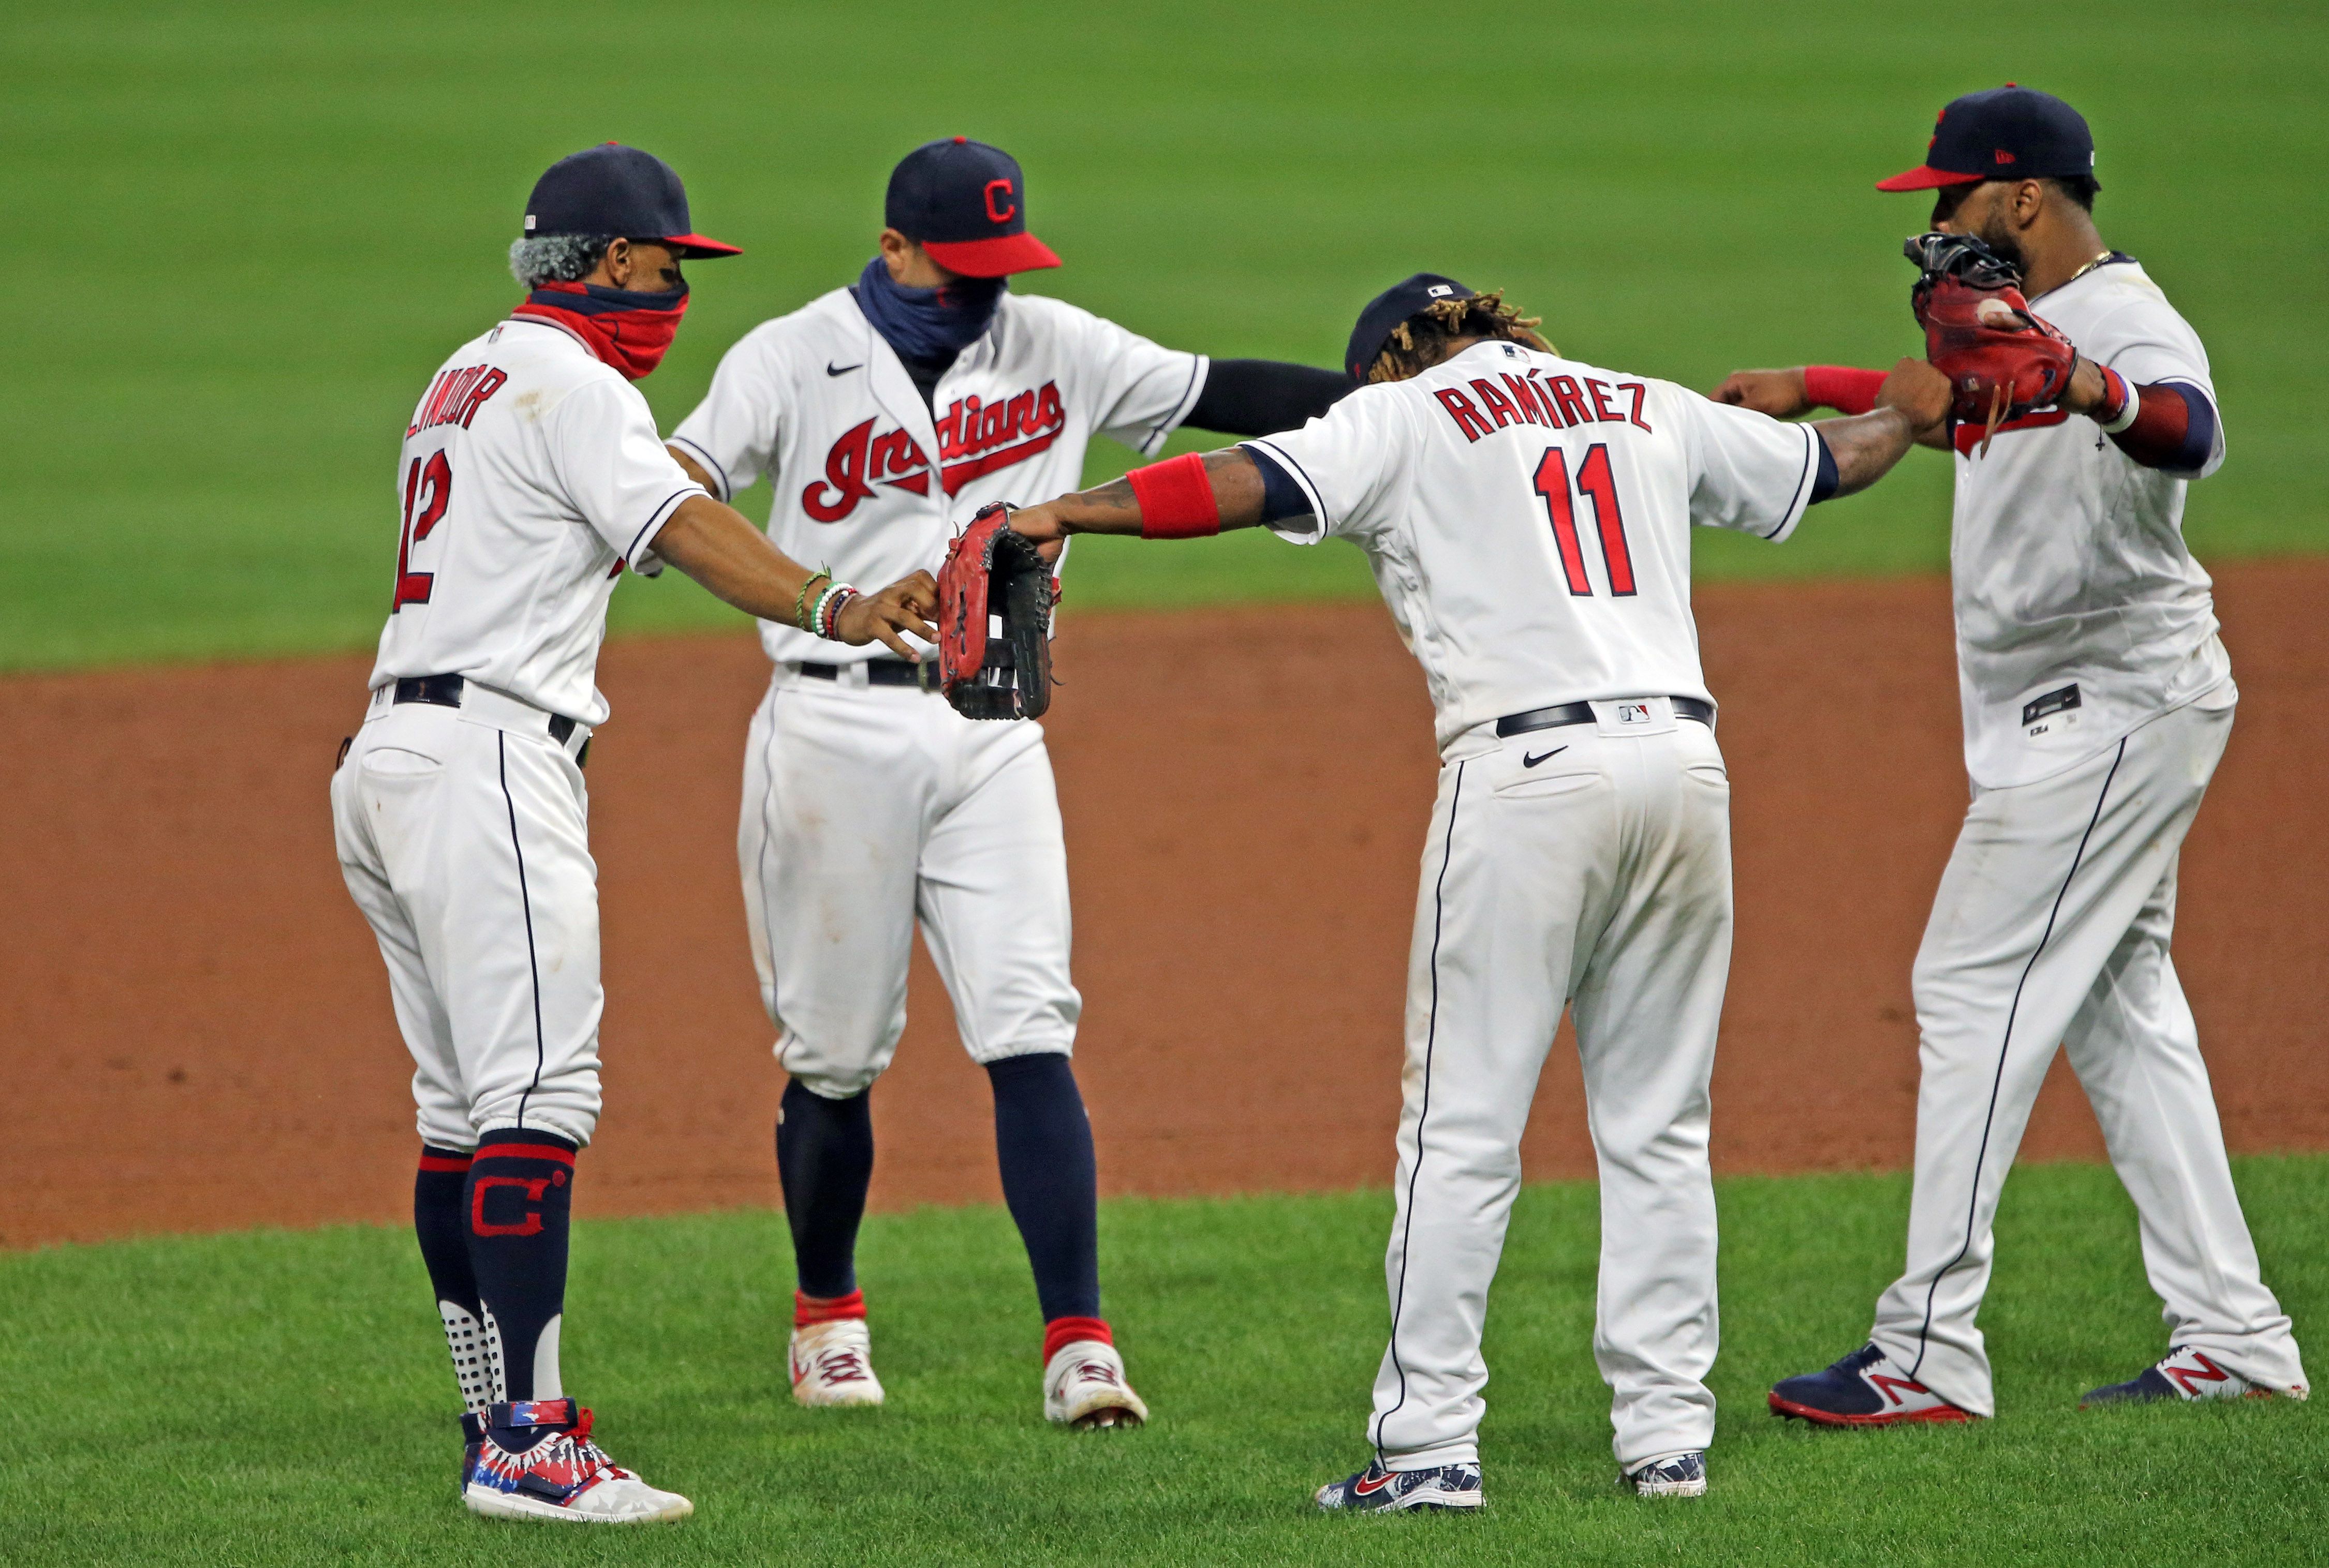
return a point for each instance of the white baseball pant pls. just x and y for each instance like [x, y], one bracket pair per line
[866, 807]
[1599, 878]
[2052, 927]
[464, 837]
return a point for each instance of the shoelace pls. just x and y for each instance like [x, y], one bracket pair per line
[1099, 1372]
[839, 1365]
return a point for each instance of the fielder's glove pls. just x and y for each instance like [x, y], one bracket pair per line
[2001, 361]
[989, 569]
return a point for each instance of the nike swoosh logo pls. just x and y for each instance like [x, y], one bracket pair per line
[1362, 1487]
[1527, 761]
[834, 370]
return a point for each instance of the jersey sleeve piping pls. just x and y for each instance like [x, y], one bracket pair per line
[1803, 483]
[1309, 493]
[1198, 368]
[707, 462]
[640, 541]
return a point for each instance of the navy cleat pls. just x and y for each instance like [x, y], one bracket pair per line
[1375, 1490]
[1863, 1389]
[1682, 1476]
[473, 1446]
[2183, 1373]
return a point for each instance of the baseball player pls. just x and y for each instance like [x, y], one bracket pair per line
[1528, 519]
[879, 412]
[531, 476]
[2096, 700]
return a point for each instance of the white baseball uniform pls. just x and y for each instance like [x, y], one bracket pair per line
[530, 474]
[866, 805]
[1528, 520]
[2097, 702]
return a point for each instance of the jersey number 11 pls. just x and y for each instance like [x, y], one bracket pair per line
[1595, 483]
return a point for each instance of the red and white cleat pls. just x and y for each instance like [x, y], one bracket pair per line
[833, 1364]
[2183, 1373]
[537, 1461]
[1084, 1387]
[1863, 1389]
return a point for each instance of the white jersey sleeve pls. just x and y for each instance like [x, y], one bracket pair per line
[735, 433]
[1140, 390]
[1748, 471]
[2146, 341]
[1351, 463]
[613, 467]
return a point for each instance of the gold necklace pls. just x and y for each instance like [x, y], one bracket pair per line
[2082, 271]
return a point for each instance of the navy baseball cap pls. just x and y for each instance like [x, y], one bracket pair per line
[2007, 133]
[617, 190]
[1388, 309]
[965, 204]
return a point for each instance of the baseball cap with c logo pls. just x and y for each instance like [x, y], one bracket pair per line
[965, 204]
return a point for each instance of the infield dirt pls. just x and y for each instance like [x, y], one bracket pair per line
[197, 1035]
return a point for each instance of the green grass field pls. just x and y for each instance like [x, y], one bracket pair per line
[252, 230]
[276, 1399]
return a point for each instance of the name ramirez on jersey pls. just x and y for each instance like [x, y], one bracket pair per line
[531, 474]
[869, 479]
[1527, 518]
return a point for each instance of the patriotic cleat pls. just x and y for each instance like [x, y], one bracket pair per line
[472, 1444]
[1377, 1491]
[2183, 1374]
[1863, 1389]
[1084, 1387]
[1682, 1476]
[833, 1364]
[537, 1461]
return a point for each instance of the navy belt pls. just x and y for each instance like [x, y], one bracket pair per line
[445, 691]
[1568, 713]
[880, 672]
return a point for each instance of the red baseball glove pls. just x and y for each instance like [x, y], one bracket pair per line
[2001, 361]
[989, 569]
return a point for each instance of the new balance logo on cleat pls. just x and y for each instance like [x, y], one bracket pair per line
[833, 1364]
[1378, 1490]
[536, 1461]
[1863, 1389]
[2183, 1373]
[1682, 1476]
[1084, 1387]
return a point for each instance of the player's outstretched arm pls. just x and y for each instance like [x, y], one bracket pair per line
[716, 546]
[1171, 500]
[1913, 399]
[1789, 393]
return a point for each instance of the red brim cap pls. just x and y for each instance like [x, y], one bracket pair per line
[995, 258]
[697, 244]
[1924, 177]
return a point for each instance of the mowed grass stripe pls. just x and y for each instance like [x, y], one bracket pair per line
[277, 1398]
[274, 218]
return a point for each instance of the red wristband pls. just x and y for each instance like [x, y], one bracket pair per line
[1176, 499]
[1841, 387]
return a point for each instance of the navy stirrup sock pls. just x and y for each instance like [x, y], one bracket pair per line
[824, 1158]
[520, 1200]
[439, 1189]
[1043, 1145]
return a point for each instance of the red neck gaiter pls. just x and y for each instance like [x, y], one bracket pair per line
[629, 331]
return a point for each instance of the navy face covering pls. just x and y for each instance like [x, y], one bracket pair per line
[924, 323]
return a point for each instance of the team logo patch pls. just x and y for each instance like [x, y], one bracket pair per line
[975, 437]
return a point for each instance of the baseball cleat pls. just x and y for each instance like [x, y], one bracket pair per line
[833, 1364]
[2183, 1373]
[537, 1461]
[1084, 1387]
[1863, 1389]
[1683, 1475]
[472, 1444]
[1377, 1491]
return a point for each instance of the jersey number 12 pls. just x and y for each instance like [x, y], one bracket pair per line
[430, 484]
[1595, 482]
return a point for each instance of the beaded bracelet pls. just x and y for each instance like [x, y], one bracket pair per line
[800, 600]
[841, 595]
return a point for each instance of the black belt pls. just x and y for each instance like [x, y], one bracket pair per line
[445, 691]
[879, 673]
[1567, 713]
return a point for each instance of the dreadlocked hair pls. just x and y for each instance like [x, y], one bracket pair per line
[1420, 342]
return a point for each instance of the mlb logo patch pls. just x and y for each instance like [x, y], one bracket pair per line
[1439, 291]
[1633, 712]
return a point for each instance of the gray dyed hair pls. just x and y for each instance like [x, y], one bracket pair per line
[556, 258]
